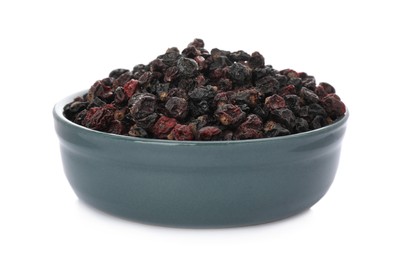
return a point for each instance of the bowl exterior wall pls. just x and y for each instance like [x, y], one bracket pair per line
[199, 184]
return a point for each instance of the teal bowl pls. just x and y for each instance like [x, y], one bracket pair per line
[195, 183]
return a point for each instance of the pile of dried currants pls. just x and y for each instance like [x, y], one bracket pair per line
[200, 95]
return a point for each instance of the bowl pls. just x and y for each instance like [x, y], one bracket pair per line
[199, 184]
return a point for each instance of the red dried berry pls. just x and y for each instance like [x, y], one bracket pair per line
[182, 132]
[209, 133]
[99, 118]
[288, 90]
[163, 127]
[229, 115]
[333, 105]
[274, 102]
[130, 87]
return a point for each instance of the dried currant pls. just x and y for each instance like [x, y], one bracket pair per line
[182, 132]
[209, 133]
[163, 127]
[177, 107]
[274, 102]
[333, 105]
[200, 95]
[142, 105]
[229, 114]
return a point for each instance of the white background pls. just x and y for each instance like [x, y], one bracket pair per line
[51, 49]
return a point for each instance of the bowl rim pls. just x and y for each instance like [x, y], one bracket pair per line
[58, 114]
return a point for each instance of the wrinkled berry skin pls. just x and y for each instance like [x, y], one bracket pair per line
[182, 132]
[163, 127]
[202, 95]
[230, 115]
[177, 107]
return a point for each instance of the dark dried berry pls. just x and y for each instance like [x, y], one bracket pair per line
[191, 52]
[122, 79]
[220, 62]
[142, 105]
[217, 53]
[146, 78]
[316, 110]
[199, 108]
[95, 90]
[287, 90]
[171, 74]
[79, 117]
[272, 129]
[252, 121]
[177, 107]
[138, 70]
[317, 122]
[225, 84]
[222, 98]
[333, 105]
[108, 81]
[301, 125]
[247, 133]
[227, 135]
[120, 96]
[201, 62]
[297, 82]
[261, 111]
[178, 92]
[256, 60]
[98, 102]
[171, 57]
[284, 116]
[249, 97]
[267, 85]
[198, 43]
[309, 82]
[251, 128]
[259, 73]
[284, 81]
[308, 95]
[239, 56]
[293, 102]
[239, 73]
[187, 67]
[116, 127]
[117, 72]
[148, 121]
[289, 73]
[303, 111]
[157, 65]
[78, 106]
[274, 102]
[323, 89]
[137, 131]
[203, 93]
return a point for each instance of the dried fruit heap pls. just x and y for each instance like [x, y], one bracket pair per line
[201, 95]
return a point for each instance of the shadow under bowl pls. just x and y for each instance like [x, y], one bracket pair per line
[199, 184]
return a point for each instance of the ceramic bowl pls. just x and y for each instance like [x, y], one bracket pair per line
[195, 183]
